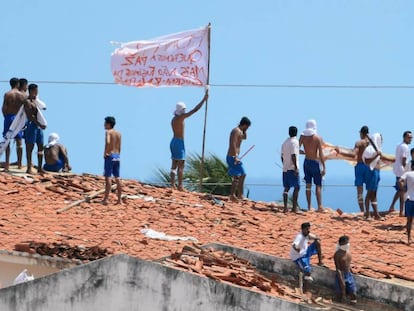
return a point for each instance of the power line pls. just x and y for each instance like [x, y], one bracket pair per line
[247, 85]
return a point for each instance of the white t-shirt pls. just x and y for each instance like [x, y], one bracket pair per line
[408, 178]
[289, 147]
[400, 153]
[301, 242]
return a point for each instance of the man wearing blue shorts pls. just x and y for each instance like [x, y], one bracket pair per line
[344, 281]
[407, 182]
[112, 159]
[177, 147]
[314, 158]
[12, 102]
[290, 160]
[235, 166]
[301, 251]
[34, 131]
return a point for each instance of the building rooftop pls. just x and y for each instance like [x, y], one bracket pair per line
[32, 210]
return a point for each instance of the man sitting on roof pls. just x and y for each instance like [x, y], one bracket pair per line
[56, 156]
[301, 251]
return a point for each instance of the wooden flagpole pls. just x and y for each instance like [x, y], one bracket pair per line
[205, 113]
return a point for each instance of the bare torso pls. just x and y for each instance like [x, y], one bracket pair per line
[112, 142]
[236, 137]
[312, 145]
[177, 125]
[13, 100]
[52, 154]
[343, 261]
[360, 146]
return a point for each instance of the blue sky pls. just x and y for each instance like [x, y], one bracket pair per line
[260, 42]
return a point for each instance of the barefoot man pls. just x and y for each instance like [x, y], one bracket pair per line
[112, 158]
[312, 144]
[361, 169]
[236, 170]
[177, 142]
[345, 283]
[34, 131]
[13, 100]
[406, 183]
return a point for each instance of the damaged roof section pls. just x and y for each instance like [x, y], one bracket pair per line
[29, 206]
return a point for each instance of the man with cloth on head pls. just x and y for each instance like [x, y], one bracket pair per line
[301, 251]
[177, 147]
[56, 156]
[314, 158]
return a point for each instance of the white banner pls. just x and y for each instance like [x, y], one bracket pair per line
[179, 59]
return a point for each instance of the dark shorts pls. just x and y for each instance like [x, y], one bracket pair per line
[235, 169]
[177, 149]
[312, 171]
[112, 165]
[397, 185]
[8, 120]
[373, 179]
[57, 167]
[304, 261]
[350, 286]
[409, 208]
[291, 179]
[361, 171]
[33, 134]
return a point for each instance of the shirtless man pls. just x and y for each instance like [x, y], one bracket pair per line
[56, 156]
[177, 142]
[236, 170]
[13, 100]
[361, 169]
[112, 158]
[345, 283]
[23, 85]
[312, 144]
[34, 131]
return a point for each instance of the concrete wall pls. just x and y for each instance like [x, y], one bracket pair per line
[392, 294]
[12, 263]
[125, 283]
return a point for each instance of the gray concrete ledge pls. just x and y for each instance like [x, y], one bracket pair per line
[392, 294]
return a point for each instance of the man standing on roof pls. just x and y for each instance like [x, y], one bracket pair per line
[361, 169]
[314, 158]
[301, 251]
[112, 156]
[12, 102]
[235, 166]
[290, 160]
[399, 168]
[23, 85]
[177, 142]
[345, 283]
[406, 182]
[34, 130]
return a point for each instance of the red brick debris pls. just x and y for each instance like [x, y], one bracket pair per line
[28, 212]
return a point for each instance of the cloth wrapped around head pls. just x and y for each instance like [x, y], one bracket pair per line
[52, 140]
[370, 151]
[180, 109]
[310, 128]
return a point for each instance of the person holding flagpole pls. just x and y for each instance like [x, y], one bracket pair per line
[177, 146]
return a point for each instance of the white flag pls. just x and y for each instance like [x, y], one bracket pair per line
[179, 59]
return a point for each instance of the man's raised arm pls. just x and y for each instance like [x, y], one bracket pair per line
[197, 108]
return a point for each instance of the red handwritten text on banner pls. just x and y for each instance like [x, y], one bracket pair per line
[179, 59]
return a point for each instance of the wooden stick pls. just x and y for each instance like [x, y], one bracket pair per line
[248, 150]
[85, 199]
